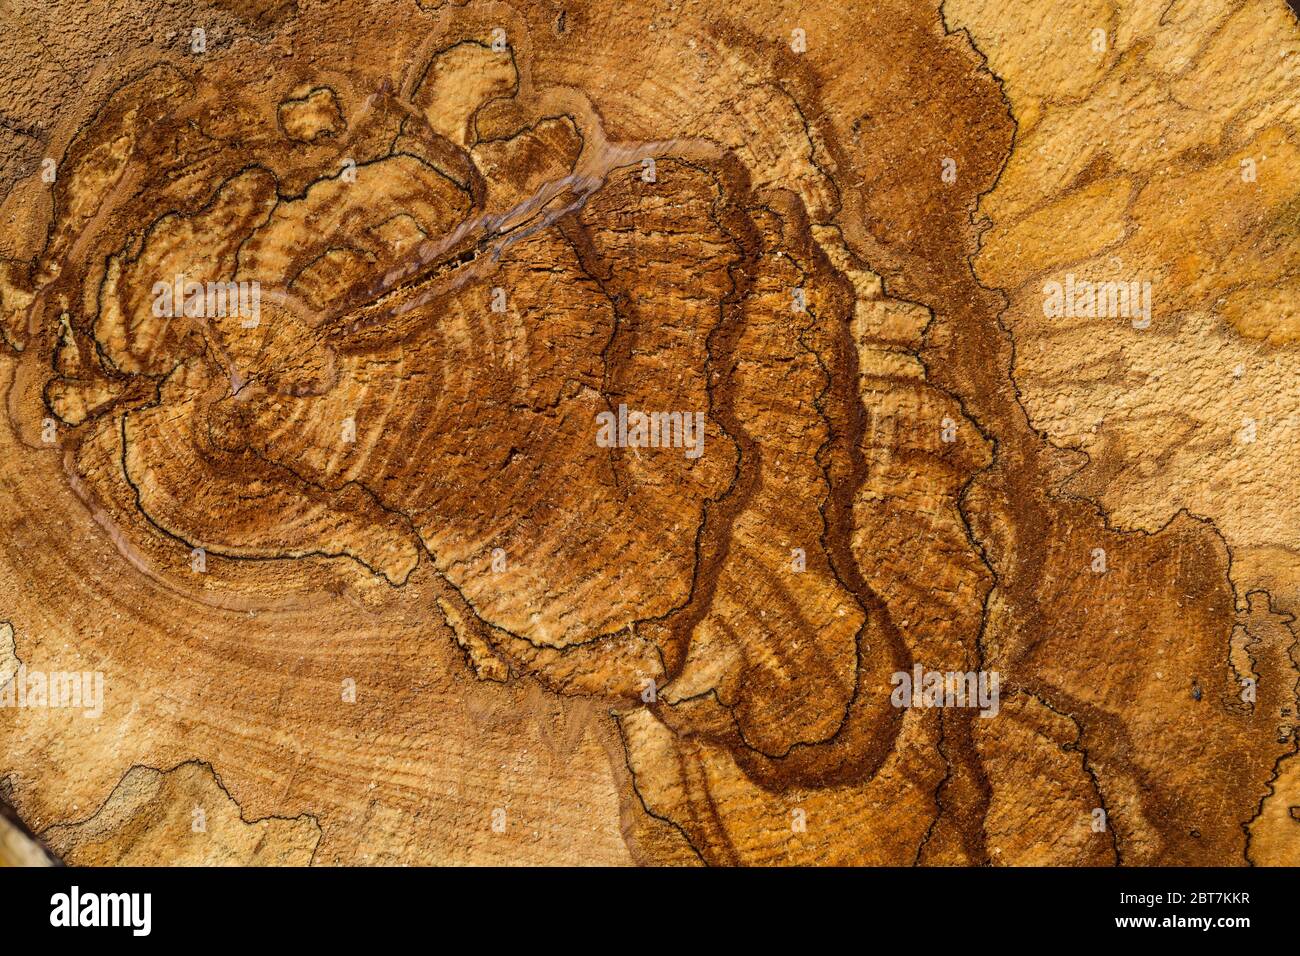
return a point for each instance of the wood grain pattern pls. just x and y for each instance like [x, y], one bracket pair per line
[308, 345]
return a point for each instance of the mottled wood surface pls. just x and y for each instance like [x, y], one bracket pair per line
[363, 586]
